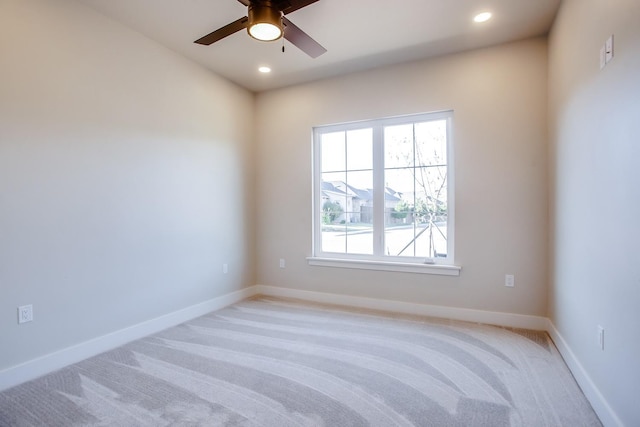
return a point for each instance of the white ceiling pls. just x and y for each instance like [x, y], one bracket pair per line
[358, 34]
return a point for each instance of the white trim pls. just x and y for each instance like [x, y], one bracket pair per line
[405, 267]
[606, 414]
[378, 175]
[377, 220]
[451, 193]
[478, 316]
[53, 361]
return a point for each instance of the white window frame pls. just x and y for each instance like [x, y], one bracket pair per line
[379, 261]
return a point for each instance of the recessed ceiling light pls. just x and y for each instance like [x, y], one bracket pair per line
[264, 69]
[482, 17]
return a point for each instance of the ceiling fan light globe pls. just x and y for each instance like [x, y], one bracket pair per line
[265, 31]
[265, 22]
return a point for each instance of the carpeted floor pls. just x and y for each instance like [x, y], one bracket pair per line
[273, 362]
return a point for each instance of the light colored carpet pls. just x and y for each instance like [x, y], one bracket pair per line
[272, 362]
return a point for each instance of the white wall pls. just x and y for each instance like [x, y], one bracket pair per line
[499, 96]
[595, 149]
[125, 179]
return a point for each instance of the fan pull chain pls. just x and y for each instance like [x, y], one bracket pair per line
[282, 44]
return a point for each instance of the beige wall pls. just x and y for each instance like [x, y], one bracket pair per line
[595, 149]
[125, 179]
[499, 98]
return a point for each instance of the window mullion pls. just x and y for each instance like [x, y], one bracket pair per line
[378, 190]
[450, 194]
[316, 204]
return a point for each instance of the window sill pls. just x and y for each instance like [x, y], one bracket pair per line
[404, 267]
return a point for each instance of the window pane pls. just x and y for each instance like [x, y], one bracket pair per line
[431, 212]
[333, 151]
[360, 218]
[416, 220]
[334, 239]
[398, 215]
[359, 149]
[347, 212]
[332, 204]
[431, 143]
[398, 146]
[432, 182]
[399, 184]
[361, 183]
[360, 238]
[334, 197]
[431, 241]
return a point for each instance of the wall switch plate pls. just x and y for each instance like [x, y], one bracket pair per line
[25, 313]
[601, 337]
[225, 268]
[509, 280]
[606, 52]
[282, 263]
[608, 47]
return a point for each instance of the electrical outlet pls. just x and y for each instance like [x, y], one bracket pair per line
[25, 313]
[282, 263]
[509, 280]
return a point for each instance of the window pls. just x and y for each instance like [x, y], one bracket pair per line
[383, 193]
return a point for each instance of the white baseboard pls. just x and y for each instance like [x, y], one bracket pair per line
[606, 414]
[478, 316]
[600, 405]
[51, 362]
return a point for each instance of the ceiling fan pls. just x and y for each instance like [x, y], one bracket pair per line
[266, 22]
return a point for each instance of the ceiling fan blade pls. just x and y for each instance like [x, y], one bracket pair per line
[223, 32]
[302, 40]
[296, 4]
[245, 2]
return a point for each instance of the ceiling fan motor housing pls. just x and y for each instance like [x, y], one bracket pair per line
[265, 15]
